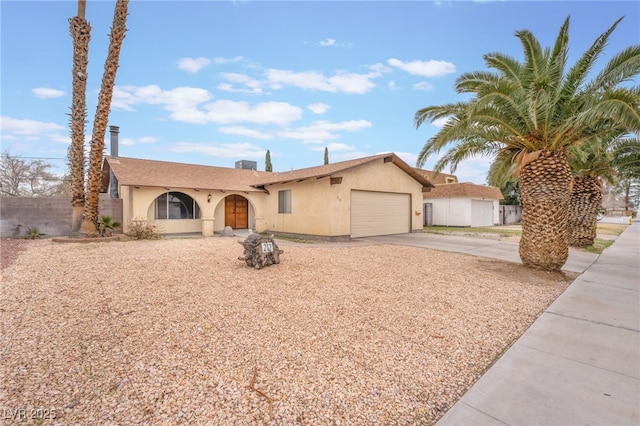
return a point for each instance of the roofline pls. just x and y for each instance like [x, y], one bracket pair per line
[390, 157]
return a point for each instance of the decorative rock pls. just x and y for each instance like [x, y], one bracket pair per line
[227, 232]
[260, 251]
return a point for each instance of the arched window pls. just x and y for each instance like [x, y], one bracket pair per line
[176, 205]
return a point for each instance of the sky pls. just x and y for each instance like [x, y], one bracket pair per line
[214, 82]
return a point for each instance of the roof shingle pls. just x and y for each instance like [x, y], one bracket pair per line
[465, 189]
[138, 172]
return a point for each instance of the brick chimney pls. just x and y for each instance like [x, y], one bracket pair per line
[114, 130]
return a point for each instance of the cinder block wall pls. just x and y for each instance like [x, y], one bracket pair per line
[51, 215]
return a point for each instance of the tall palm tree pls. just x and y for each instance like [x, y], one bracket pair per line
[118, 30]
[531, 112]
[80, 34]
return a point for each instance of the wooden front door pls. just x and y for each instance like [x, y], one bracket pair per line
[236, 212]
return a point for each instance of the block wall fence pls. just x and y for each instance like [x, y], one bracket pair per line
[51, 215]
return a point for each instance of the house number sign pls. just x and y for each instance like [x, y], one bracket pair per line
[267, 247]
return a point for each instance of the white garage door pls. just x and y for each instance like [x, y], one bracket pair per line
[379, 213]
[481, 213]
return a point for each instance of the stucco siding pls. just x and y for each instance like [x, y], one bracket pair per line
[321, 208]
[140, 206]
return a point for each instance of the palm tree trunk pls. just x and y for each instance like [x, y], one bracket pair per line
[586, 200]
[545, 185]
[118, 30]
[80, 34]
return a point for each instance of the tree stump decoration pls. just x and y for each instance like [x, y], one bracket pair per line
[260, 251]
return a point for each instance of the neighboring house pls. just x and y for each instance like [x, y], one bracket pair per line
[460, 204]
[377, 195]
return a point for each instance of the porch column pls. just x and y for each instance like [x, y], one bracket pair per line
[207, 226]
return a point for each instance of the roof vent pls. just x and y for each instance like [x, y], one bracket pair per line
[246, 165]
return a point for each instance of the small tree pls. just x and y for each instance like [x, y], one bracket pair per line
[29, 178]
[326, 155]
[268, 167]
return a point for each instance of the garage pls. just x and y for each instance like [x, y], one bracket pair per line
[379, 213]
[481, 213]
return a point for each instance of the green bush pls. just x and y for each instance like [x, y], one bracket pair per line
[33, 233]
[106, 226]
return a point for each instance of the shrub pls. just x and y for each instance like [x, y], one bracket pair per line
[143, 230]
[33, 232]
[106, 225]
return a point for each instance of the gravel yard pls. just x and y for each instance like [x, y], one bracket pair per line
[181, 331]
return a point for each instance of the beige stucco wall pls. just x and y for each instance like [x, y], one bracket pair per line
[319, 208]
[138, 205]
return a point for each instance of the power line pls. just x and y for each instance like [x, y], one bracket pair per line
[40, 158]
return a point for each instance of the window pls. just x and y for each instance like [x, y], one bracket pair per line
[450, 180]
[284, 201]
[176, 205]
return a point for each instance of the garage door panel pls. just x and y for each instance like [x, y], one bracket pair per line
[379, 213]
[481, 213]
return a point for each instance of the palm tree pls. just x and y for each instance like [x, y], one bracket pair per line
[530, 113]
[118, 30]
[80, 34]
[626, 160]
[626, 156]
[591, 162]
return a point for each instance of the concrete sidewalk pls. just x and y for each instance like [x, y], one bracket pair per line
[579, 363]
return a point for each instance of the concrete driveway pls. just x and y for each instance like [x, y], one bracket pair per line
[578, 261]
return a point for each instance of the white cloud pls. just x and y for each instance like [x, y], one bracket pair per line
[331, 42]
[440, 122]
[226, 150]
[474, 170]
[430, 68]
[318, 108]
[243, 131]
[312, 80]
[193, 65]
[392, 85]
[47, 93]
[321, 131]
[252, 85]
[327, 42]
[380, 68]
[423, 85]
[27, 127]
[408, 157]
[220, 60]
[189, 104]
[225, 111]
[142, 140]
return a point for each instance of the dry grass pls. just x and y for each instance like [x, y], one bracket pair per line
[181, 331]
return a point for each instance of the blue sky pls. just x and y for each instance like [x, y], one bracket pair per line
[213, 82]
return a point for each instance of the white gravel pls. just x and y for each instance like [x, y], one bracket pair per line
[181, 331]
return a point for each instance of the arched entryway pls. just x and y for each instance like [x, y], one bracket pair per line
[236, 212]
